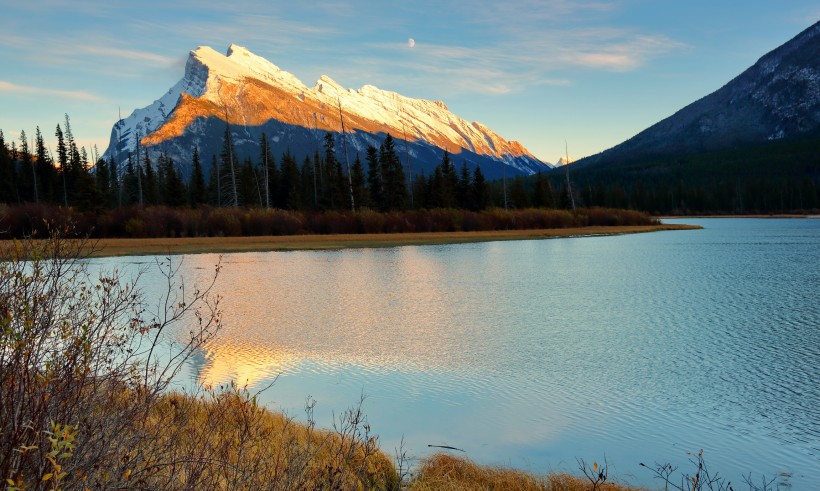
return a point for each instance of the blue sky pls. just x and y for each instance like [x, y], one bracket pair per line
[589, 72]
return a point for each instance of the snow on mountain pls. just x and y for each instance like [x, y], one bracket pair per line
[250, 93]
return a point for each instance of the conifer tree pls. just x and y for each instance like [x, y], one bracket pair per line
[335, 175]
[306, 179]
[197, 192]
[249, 186]
[421, 191]
[518, 193]
[481, 199]
[438, 188]
[290, 185]
[229, 165]
[130, 192]
[463, 188]
[152, 182]
[62, 159]
[542, 193]
[27, 185]
[357, 180]
[269, 172]
[8, 174]
[102, 179]
[374, 179]
[395, 187]
[173, 188]
[44, 169]
[214, 183]
[116, 189]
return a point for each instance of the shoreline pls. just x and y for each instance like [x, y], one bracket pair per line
[784, 215]
[203, 245]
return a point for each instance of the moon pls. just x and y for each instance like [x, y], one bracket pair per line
[411, 42]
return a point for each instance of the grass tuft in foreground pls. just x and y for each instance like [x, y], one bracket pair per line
[448, 473]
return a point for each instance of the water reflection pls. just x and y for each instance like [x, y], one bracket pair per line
[533, 353]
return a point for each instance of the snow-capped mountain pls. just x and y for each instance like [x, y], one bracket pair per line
[776, 98]
[256, 96]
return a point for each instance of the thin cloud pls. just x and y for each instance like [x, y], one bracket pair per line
[512, 64]
[123, 54]
[9, 87]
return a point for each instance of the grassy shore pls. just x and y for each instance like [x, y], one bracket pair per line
[197, 245]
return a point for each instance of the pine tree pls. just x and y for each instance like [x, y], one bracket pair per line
[421, 191]
[542, 193]
[62, 160]
[249, 186]
[214, 183]
[152, 182]
[481, 195]
[44, 169]
[518, 193]
[229, 165]
[357, 179]
[270, 176]
[129, 183]
[449, 183]
[173, 188]
[438, 188]
[336, 178]
[306, 181]
[374, 179]
[27, 186]
[290, 185]
[463, 188]
[566, 199]
[8, 174]
[103, 182]
[395, 187]
[116, 189]
[197, 192]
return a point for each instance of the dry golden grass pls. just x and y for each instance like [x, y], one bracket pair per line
[196, 245]
[447, 473]
[227, 441]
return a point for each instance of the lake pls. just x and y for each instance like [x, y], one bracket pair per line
[634, 348]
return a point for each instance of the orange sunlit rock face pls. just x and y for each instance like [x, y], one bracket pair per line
[259, 92]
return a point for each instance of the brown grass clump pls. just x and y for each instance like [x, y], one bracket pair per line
[85, 399]
[442, 472]
[224, 440]
[169, 222]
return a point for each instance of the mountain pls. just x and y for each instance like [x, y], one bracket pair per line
[777, 98]
[254, 96]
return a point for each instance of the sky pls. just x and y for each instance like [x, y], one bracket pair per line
[582, 75]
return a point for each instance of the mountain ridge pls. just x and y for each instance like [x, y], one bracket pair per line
[777, 97]
[252, 95]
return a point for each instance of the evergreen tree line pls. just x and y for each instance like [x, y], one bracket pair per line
[30, 173]
[777, 176]
[736, 196]
[784, 176]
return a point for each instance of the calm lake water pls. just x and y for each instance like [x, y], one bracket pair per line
[636, 348]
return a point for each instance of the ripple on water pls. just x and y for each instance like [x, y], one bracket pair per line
[637, 347]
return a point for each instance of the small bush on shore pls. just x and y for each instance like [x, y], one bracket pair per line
[446, 472]
[85, 367]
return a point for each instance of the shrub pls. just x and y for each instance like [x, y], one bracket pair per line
[370, 222]
[84, 400]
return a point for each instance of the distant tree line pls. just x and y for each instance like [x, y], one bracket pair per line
[777, 177]
[31, 173]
